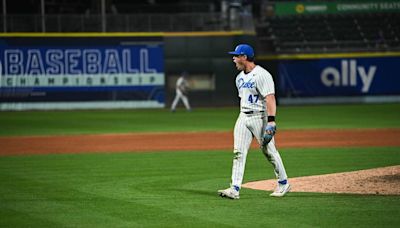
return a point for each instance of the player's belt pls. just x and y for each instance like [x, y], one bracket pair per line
[252, 112]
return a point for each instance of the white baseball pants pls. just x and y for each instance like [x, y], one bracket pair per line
[179, 95]
[248, 126]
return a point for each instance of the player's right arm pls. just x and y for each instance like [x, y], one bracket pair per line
[237, 85]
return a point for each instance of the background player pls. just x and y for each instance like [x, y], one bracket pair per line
[257, 98]
[182, 87]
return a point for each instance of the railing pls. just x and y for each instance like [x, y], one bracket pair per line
[126, 23]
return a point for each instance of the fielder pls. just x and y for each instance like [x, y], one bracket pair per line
[256, 119]
[182, 87]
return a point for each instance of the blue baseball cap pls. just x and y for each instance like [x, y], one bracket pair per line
[243, 49]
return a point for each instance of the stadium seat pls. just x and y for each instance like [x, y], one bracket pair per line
[331, 33]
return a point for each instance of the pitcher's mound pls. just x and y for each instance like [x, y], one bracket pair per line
[385, 181]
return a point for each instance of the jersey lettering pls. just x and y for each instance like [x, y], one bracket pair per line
[243, 84]
[251, 99]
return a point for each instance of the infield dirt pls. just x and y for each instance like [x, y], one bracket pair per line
[185, 141]
[379, 181]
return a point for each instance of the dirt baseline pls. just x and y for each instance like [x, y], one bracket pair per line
[142, 142]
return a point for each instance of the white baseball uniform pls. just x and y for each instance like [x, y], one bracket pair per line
[253, 88]
[181, 86]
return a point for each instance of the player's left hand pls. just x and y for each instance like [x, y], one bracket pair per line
[269, 133]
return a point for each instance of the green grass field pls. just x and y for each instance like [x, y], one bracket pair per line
[178, 189]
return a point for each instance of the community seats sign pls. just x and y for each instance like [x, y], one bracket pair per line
[301, 7]
[105, 70]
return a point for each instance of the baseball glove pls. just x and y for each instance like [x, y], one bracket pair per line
[268, 134]
[185, 92]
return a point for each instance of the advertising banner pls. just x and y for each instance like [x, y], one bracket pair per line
[339, 77]
[293, 8]
[81, 70]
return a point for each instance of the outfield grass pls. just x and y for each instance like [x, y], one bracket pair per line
[202, 119]
[178, 189]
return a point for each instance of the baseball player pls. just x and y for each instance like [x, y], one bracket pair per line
[182, 87]
[256, 119]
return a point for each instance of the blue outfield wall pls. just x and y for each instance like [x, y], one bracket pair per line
[48, 70]
[331, 77]
[136, 71]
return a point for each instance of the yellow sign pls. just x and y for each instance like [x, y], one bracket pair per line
[300, 8]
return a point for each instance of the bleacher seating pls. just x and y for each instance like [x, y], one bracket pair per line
[306, 33]
[163, 7]
[120, 16]
[330, 33]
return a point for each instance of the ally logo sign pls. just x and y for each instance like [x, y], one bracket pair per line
[339, 77]
[348, 75]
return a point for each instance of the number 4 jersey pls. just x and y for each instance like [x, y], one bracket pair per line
[253, 87]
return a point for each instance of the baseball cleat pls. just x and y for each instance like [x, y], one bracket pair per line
[281, 190]
[229, 193]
